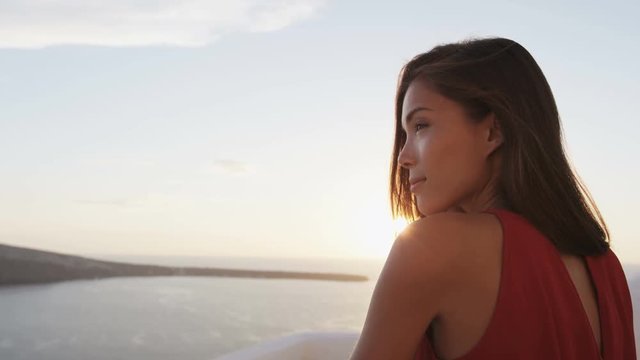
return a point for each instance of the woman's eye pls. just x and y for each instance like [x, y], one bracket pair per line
[420, 126]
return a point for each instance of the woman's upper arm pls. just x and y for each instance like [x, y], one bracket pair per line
[410, 291]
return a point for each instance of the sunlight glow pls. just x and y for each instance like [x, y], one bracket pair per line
[374, 229]
[398, 225]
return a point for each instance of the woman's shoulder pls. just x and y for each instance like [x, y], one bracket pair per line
[450, 231]
[459, 241]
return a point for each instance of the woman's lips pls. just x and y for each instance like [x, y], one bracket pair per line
[414, 185]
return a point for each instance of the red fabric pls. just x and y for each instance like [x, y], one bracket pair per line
[539, 314]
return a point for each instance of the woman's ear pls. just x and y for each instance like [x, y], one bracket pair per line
[494, 136]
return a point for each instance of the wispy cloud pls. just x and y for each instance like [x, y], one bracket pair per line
[41, 23]
[151, 200]
[231, 166]
[110, 202]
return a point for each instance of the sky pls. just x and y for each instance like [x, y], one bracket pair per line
[264, 128]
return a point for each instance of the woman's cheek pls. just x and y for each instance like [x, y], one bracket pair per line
[426, 152]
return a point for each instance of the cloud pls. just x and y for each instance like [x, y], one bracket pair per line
[231, 166]
[111, 202]
[190, 23]
[153, 200]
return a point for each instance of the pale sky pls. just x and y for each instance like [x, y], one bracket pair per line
[264, 128]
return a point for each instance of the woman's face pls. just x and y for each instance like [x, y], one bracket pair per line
[447, 151]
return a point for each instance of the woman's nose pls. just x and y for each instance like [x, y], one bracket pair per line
[405, 159]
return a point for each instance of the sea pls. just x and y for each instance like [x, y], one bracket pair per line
[180, 317]
[197, 318]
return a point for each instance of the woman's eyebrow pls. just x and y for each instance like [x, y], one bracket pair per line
[409, 118]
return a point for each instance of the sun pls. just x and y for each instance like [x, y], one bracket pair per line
[375, 230]
[399, 224]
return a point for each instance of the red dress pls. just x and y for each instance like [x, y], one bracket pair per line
[539, 315]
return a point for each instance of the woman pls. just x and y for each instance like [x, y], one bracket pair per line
[509, 257]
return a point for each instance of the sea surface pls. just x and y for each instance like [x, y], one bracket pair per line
[179, 317]
[187, 317]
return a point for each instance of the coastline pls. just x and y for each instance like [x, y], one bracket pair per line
[21, 266]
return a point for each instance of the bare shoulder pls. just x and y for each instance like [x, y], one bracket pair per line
[449, 234]
[451, 245]
[416, 285]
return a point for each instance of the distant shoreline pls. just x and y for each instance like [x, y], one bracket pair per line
[23, 266]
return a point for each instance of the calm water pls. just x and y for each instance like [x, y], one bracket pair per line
[189, 317]
[172, 317]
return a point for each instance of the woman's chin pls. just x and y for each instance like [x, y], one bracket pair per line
[427, 209]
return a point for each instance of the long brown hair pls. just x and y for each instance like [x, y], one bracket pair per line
[499, 76]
